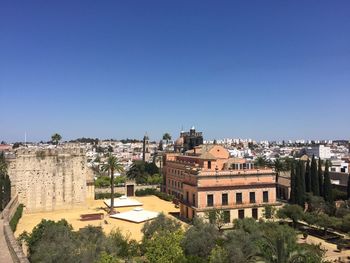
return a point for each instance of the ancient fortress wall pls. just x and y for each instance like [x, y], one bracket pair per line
[51, 179]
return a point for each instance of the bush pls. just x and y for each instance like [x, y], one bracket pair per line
[16, 217]
[106, 195]
[154, 191]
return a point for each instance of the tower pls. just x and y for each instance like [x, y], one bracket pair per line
[145, 147]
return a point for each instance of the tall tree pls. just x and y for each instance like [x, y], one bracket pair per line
[166, 137]
[292, 198]
[327, 186]
[307, 177]
[314, 179]
[278, 165]
[55, 138]
[301, 184]
[320, 176]
[112, 165]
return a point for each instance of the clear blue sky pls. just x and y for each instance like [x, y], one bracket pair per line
[258, 69]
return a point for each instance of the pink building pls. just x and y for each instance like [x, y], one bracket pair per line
[206, 178]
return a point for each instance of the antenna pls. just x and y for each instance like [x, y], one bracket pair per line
[25, 139]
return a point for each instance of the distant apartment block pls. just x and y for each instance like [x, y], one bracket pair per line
[206, 178]
[320, 151]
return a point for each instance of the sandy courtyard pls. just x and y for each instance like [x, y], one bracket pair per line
[152, 203]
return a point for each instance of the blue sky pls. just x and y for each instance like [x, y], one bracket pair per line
[116, 69]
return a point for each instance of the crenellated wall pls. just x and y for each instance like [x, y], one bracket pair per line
[50, 179]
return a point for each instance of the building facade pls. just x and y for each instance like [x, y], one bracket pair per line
[51, 179]
[319, 151]
[188, 140]
[206, 179]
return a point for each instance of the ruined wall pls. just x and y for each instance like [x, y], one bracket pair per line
[50, 179]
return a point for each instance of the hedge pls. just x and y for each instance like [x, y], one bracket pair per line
[154, 191]
[16, 217]
[106, 195]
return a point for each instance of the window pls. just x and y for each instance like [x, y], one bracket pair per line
[239, 198]
[194, 200]
[209, 164]
[255, 213]
[227, 217]
[265, 196]
[241, 213]
[252, 197]
[187, 198]
[210, 200]
[224, 199]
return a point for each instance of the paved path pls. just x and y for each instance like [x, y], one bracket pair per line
[5, 256]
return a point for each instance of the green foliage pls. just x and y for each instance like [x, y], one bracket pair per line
[200, 239]
[106, 258]
[105, 181]
[140, 171]
[112, 165]
[160, 224]
[166, 137]
[307, 177]
[314, 178]
[269, 211]
[16, 217]
[165, 247]
[55, 138]
[262, 161]
[218, 255]
[217, 218]
[154, 191]
[5, 183]
[154, 179]
[327, 186]
[106, 195]
[320, 177]
[293, 212]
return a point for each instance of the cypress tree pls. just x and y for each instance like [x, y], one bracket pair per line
[307, 177]
[320, 176]
[301, 182]
[292, 183]
[314, 180]
[327, 186]
[297, 190]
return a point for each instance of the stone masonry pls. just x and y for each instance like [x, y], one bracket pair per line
[51, 179]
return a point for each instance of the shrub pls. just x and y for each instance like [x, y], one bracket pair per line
[106, 195]
[154, 191]
[16, 217]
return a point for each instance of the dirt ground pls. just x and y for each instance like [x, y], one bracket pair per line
[332, 254]
[151, 203]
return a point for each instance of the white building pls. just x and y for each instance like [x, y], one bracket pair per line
[320, 151]
[339, 166]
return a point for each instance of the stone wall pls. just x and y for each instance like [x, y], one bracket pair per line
[15, 250]
[50, 179]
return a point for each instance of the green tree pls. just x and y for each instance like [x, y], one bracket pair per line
[261, 161]
[320, 177]
[166, 137]
[218, 255]
[159, 224]
[165, 247]
[241, 246]
[200, 239]
[327, 186]
[106, 258]
[269, 211]
[217, 217]
[300, 184]
[293, 184]
[314, 178]
[307, 177]
[279, 166]
[112, 165]
[293, 212]
[55, 138]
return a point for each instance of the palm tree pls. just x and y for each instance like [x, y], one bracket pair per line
[55, 138]
[167, 137]
[278, 164]
[112, 165]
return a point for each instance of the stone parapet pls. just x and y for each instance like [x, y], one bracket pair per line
[15, 250]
